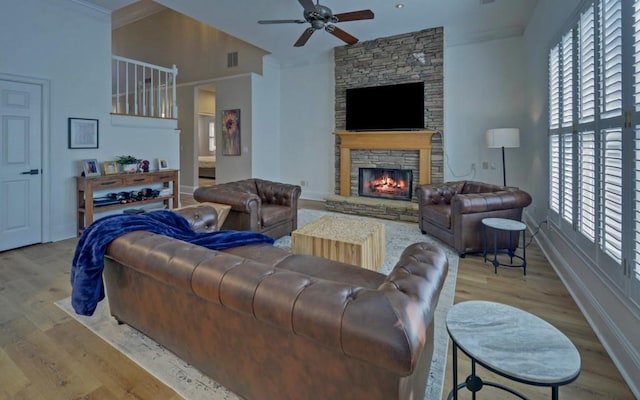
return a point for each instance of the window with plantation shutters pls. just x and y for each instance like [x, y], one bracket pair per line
[594, 138]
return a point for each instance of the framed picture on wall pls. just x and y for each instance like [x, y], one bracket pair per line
[83, 133]
[231, 132]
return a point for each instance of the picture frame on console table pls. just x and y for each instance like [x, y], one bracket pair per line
[110, 167]
[83, 133]
[90, 167]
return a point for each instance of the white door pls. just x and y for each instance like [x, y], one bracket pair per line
[20, 164]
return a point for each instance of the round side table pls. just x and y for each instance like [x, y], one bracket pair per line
[514, 228]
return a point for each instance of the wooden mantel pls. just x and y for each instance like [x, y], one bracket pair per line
[384, 140]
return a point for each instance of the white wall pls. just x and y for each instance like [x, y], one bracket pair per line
[69, 45]
[307, 126]
[546, 24]
[265, 138]
[484, 88]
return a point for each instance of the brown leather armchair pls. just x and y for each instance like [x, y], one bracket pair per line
[453, 212]
[257, 205]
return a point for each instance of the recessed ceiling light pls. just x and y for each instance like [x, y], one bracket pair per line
[399, 5]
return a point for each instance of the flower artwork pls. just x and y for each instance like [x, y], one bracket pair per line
[231, 132]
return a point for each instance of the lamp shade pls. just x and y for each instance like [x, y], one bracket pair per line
[503, 137]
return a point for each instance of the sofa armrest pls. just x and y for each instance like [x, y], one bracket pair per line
[492, 201]
[201, 218]
[277, 193]
[239, 201]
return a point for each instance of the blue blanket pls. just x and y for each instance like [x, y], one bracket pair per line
[88, 261]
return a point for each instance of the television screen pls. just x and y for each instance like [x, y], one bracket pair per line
[390, 107]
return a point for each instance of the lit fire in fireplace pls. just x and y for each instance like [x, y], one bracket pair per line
[385, 182]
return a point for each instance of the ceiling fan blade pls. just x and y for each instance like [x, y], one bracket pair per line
[302, 40]
[282, 21]
[354, 15]
[308, 6]
[340, 34]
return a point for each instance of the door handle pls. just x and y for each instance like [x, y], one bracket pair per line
[31, 172]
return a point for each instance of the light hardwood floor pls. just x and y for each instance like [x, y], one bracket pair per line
[45, 354]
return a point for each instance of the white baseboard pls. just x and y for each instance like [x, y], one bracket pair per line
[612, 316]
[319, 196]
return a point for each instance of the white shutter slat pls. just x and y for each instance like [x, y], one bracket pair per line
[554, 88]
[567, 177]
[566, 83]
[611, 194]
[586, 66]
[587, 184]
[554, 171]
[636, 53]
[611, 58]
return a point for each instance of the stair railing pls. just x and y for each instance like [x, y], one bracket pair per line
[143, 89]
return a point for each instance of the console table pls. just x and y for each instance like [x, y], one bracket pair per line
[511, 343]
[88, 185]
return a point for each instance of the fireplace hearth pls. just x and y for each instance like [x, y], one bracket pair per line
[386, 183]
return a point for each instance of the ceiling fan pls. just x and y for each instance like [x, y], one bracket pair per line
[321, 17]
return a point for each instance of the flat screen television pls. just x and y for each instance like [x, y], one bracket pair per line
[389, 107]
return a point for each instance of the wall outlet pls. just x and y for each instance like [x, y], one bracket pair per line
[303, 183]
[485, 165]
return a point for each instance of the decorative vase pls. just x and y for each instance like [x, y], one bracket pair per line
[129, 168]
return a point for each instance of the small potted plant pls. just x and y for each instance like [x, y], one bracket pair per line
[129, 163]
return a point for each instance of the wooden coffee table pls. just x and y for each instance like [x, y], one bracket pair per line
[353, 241]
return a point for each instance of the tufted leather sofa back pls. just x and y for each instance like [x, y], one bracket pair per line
[362, 321]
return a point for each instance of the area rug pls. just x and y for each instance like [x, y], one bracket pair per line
[192, 385]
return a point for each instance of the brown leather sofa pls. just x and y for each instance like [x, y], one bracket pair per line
[453, 212]
[268, 324]
[257, 205]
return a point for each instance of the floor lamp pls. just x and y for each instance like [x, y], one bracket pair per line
[501, 138]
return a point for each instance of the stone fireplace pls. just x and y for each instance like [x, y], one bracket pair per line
[386, 149]
[405, 58]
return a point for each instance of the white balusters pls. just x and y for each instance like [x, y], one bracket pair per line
[142, 89]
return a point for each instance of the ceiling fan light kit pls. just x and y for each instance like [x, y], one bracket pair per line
[321, 17]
